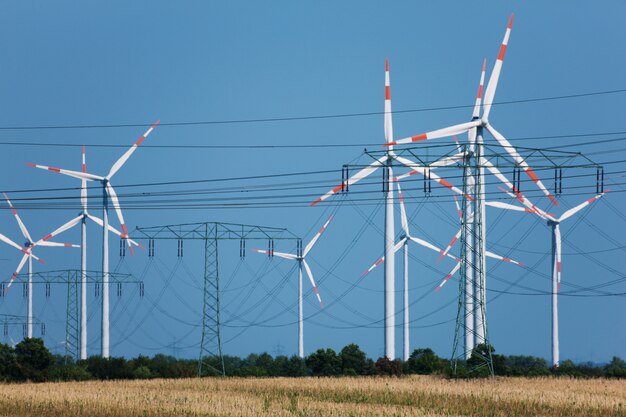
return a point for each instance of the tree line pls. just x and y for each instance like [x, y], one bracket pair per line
[30, 360]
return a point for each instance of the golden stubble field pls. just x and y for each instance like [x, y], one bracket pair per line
[408, 396]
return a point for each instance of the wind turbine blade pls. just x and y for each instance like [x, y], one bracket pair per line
[569, 213]
[279, 254]
[458, 145]
[396, 248]
[516, 193]
[58, 244]
[495, 74]
[506, 206]
[516, 156]
[17, 271]
[430, 246]
[354, 179]
[120, 162]
[99, 222]
[70, 173]
[19, 221]
[454, 270]
[479, 95]
[11, 243]
[439, 133]
[308, 272]
[60, 230]
[502, 258]
[403, 219]
[450, 245]
[388, 115]
[117, 207]
[309, 246]
[433, 176]
[83, 184]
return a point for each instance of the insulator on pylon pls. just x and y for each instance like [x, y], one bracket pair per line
[122, 248]
[47, 289]
[299, 247]
[151, 248]
[25, 289]
[119, 289]
[6, 328]
[2, 289]
[97, 289]
[141, 289]
[242, 248]
[599, 180]
[24, 330]
[43, 329]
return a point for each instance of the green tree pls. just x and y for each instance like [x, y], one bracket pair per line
[8, 363]
[424, 361]
[616, 368]
[33, 360]
[324, 362]
[352, 360]
[386, 366]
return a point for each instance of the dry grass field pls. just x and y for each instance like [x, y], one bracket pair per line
[409, 396]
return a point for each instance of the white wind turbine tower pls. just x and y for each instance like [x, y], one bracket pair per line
[29, 245]
[475, 132]
[300, 257]
[108, 192]
[82, 220]
[404, 243]
[385, 162]
[555, 224]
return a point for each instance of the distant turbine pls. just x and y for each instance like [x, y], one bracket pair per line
[300, 258]
[107, 193]
[29, 245]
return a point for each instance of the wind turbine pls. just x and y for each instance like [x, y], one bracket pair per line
[300, 257]
[29, 245]
[404, 243]
[108, 192]
[555, 224]
[385, 162]
[82, 220]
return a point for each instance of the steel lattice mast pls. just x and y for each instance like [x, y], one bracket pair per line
[211, 233]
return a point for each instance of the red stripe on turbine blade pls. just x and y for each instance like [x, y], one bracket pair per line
[386, 64]
[387, 93]
[418, 138]
[592, 199]
[67, 245]
[511, 21]
[14, 211]
[322, 230]
[141, 139]
[553, 200]
[480, 91]
[506, 259]
[338, 188]
[400, 197]
[445, 183]
[319, 200]
[390, 143]
[30, 165]
[380, 261]
[437, 288]
[558, 266]
[47, 237]
[412, 172]
[469, 197]
[502, 52]
[558, 287]
[124, 230]
[84, 168]
[54, 169]
[316, 291]
[132, 252]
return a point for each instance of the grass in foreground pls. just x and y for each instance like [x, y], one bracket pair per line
[409, 396]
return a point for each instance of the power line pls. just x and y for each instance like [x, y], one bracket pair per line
[309, 117]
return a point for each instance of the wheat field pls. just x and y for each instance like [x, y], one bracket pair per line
[408, 396]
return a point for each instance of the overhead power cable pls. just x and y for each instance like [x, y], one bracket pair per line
[309, 117]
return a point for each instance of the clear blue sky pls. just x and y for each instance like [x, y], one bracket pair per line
[69, 63]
